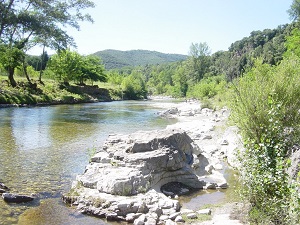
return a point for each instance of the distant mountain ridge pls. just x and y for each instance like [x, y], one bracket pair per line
[113, 59]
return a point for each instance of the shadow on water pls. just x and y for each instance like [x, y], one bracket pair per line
[201, 198]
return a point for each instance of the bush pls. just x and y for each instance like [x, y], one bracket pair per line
[207, 87]
[265, 106]
[134, 87]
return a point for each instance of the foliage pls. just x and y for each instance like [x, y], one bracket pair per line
[208, 87]
[71, 66]
[199, 61]
[24, 24]
[134, 87]
[292, 43]
[294, 11]
[50, 93]
[114, 59]
[200, 218]
[265, 106]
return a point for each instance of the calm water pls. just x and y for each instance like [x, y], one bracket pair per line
[42, 149]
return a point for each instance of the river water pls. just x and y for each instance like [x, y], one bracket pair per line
[42, 149]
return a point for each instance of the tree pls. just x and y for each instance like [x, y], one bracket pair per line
[26, 23]
[134, 87]
[292, 43]
[66, 65]
[93, 69]
[294, 11]
[199, 60]
[71, 66]
[10, 58]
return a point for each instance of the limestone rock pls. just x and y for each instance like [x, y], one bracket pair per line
[204, 211]
[141, 160]
[179, 219]
[192, 216]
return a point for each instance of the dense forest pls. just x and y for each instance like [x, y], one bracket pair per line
[113, 59]
[258, 78]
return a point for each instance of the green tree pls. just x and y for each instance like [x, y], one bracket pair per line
[294, 10]
[199, 60]
[92, 69]
[293, 43]
[134, 87]
[10, 58]
[71, 66]
[24, 24]
[66, 65]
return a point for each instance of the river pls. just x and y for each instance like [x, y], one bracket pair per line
[43, 149]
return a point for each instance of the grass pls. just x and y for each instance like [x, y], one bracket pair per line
[52, 92]
[200, 218]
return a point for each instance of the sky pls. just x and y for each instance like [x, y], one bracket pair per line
[171, 26]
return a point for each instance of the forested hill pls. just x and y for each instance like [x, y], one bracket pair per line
[113, 59]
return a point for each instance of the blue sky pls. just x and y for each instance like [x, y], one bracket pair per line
[170, 26]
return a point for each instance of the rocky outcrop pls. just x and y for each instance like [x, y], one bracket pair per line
[124, 178]
[141, 161]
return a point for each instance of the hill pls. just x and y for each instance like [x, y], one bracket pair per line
[113, 59]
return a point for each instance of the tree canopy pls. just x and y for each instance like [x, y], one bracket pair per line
[26, 23]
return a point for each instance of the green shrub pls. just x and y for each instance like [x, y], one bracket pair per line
[265, 106]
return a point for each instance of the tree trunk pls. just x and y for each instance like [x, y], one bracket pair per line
[11, 78]
[42, 62]
[25, 72]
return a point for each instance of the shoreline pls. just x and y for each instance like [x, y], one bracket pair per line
[209, 130]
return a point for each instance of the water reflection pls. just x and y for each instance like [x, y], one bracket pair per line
[30, 128]
[43, 149]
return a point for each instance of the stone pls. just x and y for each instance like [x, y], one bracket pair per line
[218, 166]
[223, 185]
[211, 186]
[174, 215]
[16, 198]
[2, 191]
[151, 221]
[204, 211]
[140, 220]
[224, 142]
[3, 187]
[141, 160]
[192, 216]
[163, 217]
[179, 219]
[207, 137]
[130, 217]
[186, 211]
[170, 222]
[168, 211]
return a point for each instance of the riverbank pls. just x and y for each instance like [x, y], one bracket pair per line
[53, 93]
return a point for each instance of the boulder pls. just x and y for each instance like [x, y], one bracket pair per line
[16, 198]
[139, 161]
[123, 180]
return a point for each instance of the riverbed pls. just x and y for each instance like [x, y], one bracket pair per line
[43, 149]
